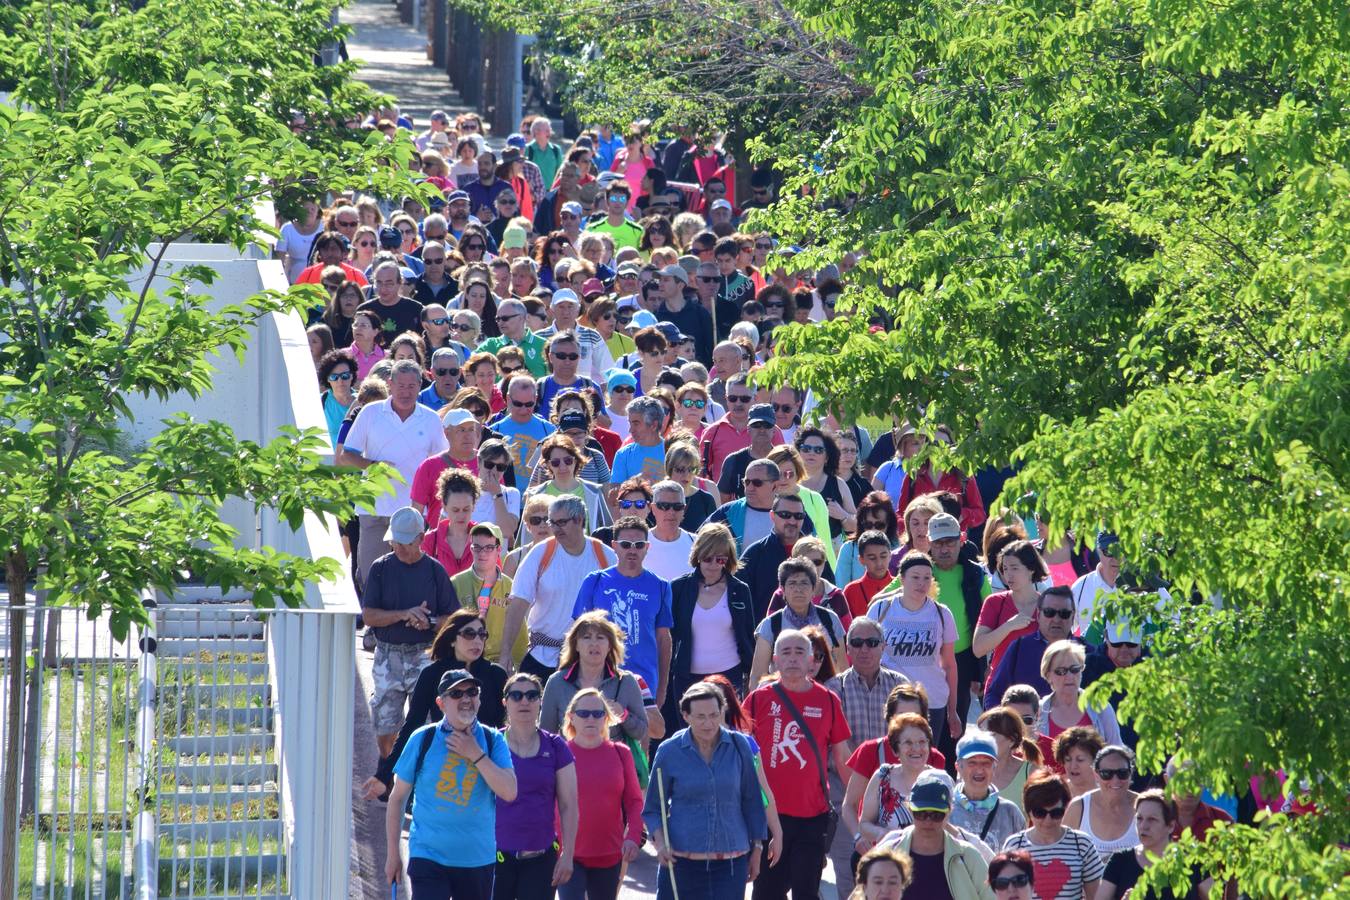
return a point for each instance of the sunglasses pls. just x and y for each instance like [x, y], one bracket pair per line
[813, 449]
[928, 815]
[442, 373]
[565, 217]
[774, 304]
[559, 461]
[1121, 774]
[536, 521]
[668, 505]
[559, 523]
[623, 389]
[365, 243]
[763, 246]
[1124, 645]
[765, 425]
[523, 404]
[1028, 720]
[461, 693]
[618, 198]
[715, 560]
[590, 713]
[523, 696]
[462, 327]
[342, 224]
[496, 467]
[569, 357]
[785, 408]
[1038, 812]
[790, 516]
[475, 634]
[1021, 879]
[473, 246]
[1065, 614]
[693, 404]
[433, 261]
[440, 320]
[340, 376]
[859, 643]
[506, 201]
[625, 320]
[706, 279]
[510, 370]
[501, 319]
[742, 399]
[631, 545]
[757, 482]
[1061, 671]
[633, 504]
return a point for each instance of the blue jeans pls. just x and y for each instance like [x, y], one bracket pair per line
[433, 881]
[706, 879]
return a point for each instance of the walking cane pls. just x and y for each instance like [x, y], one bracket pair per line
[665, 827]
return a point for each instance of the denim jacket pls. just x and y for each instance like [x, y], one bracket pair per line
[713, 808]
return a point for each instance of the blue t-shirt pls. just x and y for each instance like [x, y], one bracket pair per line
[454, 819]
[549, 388]
[638, 606]
[522, 440]
[634, 459]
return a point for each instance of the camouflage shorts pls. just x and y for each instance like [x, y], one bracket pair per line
[395, 674]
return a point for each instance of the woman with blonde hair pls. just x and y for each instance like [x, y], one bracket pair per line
[533, 528]
[365, 244]
[685, 226]
[591, 656]
[609, 826]
[1064, 707]
[714, 630]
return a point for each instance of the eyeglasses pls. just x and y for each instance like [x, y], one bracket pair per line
[623, 389]
[443, 373]
[633, 504]
[569, 357]
[1121, 774]
[784, 408]
[742, 399]
[508, 318]
[1021, 879]
[668, 506]
[1038, 812]
[1061, 671]
[859, 643]
[523, 404]
[790, 516]
[536, 521]
[1065, 614]
[681, 470]
[715, 560]
[559, 523]
[497, 467]
[558, 462]
[757, 482]
[688, 403]
[813, 449]
[523, 696]
[461, 693]
[340, 376]
[631, 545]
[590, 713]
[928, 815]
[474, 634]
[482, 548]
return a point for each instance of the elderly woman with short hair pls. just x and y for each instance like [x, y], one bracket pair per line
[1064, 707]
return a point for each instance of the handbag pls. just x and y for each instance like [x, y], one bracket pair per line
[832, 817]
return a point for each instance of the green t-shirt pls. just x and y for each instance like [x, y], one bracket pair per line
[532, 345]
[950, 596]
[625, 234]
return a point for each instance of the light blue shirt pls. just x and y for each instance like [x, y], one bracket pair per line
[635, 459]
[454, 814]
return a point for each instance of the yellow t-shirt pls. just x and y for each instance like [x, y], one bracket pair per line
[467, 587]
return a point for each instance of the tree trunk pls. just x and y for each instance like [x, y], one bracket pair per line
[16, 578]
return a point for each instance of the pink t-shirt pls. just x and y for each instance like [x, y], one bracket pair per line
[423, 488]
[997, 609]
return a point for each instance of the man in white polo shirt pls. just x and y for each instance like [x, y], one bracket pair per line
[400, 432]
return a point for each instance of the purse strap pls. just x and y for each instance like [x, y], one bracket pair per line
[810, 738]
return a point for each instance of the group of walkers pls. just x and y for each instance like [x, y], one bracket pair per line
[622, 594]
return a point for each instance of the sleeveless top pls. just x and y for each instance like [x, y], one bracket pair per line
[830, 491]
[1104, 847]
[1013, 791]
[892, 811]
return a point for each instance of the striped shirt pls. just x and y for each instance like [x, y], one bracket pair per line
[595, 356]
[1064, 868]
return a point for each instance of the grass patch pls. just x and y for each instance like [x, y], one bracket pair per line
[66, 867]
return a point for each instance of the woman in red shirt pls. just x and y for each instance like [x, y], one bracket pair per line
[1007, 615]
[609, 800]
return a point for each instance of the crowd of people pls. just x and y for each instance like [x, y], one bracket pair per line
[622, 593]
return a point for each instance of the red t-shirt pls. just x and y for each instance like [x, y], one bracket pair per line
[436, 545]
[859, 593]
[789, 763]
[610, 810]
[609, 442]
[997, 609]
[423, 488]
[314, 274]
[865, 760]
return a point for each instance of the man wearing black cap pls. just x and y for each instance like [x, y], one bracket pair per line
[690, 318]
[763, 438]
[460, 769]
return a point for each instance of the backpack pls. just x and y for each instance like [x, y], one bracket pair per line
[942, 623]
[422, 756]
[551, 547]
[826, 624]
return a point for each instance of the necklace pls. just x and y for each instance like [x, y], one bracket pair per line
[720, 580]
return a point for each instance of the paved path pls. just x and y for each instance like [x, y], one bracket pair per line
[394, 61]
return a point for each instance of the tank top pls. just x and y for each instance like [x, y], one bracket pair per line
[1104, 847]
[714, 642]
[892, 811]
[830, 491]
[1013, 791]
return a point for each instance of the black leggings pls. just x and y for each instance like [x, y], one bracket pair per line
[592, 884]
[524, 879]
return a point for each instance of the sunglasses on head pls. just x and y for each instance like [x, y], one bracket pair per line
[859, 643]
[668, 505]
[1021, 879]
[631, 545]
[529, 696]
[1061, 671]
[633, 504]
[1065, 614]
[460, 693]
[1038, 812]
[442, 373]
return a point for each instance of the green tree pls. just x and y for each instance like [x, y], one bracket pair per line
[132, 129]
[1112, 238]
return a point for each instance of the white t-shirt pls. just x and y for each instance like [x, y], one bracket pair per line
[757, 524]
[619, 425]
[298, 246]
[380, 434]
[485, 510]
[912, 642]
[552, 596]
[669, 560]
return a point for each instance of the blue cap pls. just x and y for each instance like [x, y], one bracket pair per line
[643, 318]
[456, 195]
[1106, 542]
[454, 677]
[976, 742]
[761, 412]
[931, 793]
[516, 140]
[390, 238]
[620, 376]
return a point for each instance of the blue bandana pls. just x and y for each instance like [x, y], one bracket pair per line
[976, 806]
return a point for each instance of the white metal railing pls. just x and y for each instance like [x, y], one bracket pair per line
[145, 851]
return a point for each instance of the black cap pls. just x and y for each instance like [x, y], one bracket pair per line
[761, 412]
[454, 677]
[573, 419]
[390, 238]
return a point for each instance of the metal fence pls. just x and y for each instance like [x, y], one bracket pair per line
[68, 728]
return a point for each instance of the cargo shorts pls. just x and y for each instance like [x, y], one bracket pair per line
[394, 672]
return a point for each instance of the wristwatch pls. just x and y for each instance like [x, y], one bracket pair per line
[857, 836]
